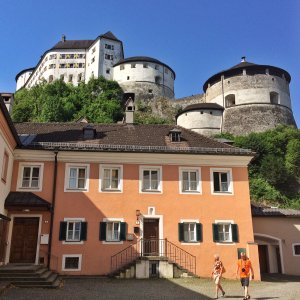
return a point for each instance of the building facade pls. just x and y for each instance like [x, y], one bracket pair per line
[89, 192]
[8, 142]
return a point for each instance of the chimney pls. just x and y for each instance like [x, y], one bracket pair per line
[243, 59]
[63, 38]
[129, 111]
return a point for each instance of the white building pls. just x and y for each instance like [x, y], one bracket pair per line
[75, 61]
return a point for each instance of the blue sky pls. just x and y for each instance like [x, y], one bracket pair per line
[197, 38]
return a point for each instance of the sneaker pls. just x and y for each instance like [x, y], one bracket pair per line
[223, 294]
[248, 297]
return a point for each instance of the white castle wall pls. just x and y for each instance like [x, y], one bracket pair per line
[125, 73]
[250, 89]
[204, 121]
[22, 79]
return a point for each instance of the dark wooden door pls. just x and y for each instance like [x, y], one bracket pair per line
[151, 237]
[263, 258]
[24, 240]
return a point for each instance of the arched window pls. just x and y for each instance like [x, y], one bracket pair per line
[274, 98]
[157, 79]
[230, 100]
[50, 78]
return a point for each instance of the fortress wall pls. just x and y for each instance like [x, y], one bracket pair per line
[244, 119]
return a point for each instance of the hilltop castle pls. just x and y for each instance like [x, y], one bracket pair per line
[245, 98]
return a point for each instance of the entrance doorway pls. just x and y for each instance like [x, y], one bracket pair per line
[24, 240]
[151, 237]
[263, 258]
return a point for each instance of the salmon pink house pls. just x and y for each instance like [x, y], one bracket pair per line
[127, 200]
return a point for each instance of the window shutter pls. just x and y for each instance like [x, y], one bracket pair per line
[199, 232]
[102, 231]
[123, 231]
[83, 232]
[62, 231]
[215, 232]
[181, 232]
[235, 234]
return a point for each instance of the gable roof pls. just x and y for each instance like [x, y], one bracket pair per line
[110, 36]
[265, 211]
[122, 137]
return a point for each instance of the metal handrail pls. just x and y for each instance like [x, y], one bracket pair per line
[132, 148]
[153, 247]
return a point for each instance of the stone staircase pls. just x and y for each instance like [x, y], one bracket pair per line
[166, 269]
[28, 275]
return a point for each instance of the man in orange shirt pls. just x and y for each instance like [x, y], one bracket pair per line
[243, 269]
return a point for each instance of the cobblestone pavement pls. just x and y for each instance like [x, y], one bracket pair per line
[158, 289]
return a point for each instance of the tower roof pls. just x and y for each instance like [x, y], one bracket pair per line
[238, 69]
[143, 59]
[109, 35]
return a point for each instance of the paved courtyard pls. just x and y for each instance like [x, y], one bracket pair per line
[287, 288]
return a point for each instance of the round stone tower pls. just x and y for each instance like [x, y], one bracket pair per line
[144, 78]
[204, 118]
[255, 97]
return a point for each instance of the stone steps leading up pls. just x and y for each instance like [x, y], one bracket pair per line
[29, 276]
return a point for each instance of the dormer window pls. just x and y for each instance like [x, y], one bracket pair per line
[89, 132]
[175, 135]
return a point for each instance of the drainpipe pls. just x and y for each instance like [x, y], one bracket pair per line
[222, 120]
[52, 208]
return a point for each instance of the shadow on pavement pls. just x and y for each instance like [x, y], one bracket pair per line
[279, 278]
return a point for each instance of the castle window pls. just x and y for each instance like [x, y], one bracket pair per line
[62, 77]
[122, 67]
[107, 71]
[50, 78]
[128, 77]
[145, 65]
[70, 78]
[94, 49]
[175, 135]
[211, 112]
[166, 71]
[132, 65]
[274, 98]
[109, 56]
[93, 59]
[230, 100]
[150, 91]
[157, 79]
[110, 47]
[156, 67]
[201, 112]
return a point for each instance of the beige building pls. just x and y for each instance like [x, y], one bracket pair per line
[277, 233]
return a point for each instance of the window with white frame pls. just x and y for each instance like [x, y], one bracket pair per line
[296, 249]
[150, 179]
[221, 180]
[190, 231]
[30, 176]
[111, 178]
[112, 230]
[189, 180]
[77, 177]
[225, 232]
[73, 230]
[71, 262]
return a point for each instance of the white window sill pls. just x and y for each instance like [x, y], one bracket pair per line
[223, 193]
[151, 192]
[111, 191]
[75, 190]
[226, 243]
[73, 242]
[71, 270]
[190, 192]
[29, 189]
[112, 242]
[190, 243]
